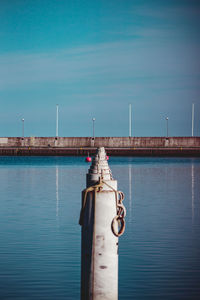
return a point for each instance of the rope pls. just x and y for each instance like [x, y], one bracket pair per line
[118, 222]
[86, 191]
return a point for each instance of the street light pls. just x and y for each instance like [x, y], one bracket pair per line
[93, 120]
[167, 124]
[22, 127]
[57, 120]
[192, 119]
[130, 119]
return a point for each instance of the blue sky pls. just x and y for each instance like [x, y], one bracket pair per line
[93, 58]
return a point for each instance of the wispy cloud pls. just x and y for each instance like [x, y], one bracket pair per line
[115, 62]
[162, 10]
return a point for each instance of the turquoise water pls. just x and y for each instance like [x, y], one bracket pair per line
[159, 254]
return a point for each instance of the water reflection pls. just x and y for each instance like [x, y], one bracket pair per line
[57, 192]
[192, 177]
[130, 189]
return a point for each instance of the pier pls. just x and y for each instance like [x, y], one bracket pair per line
[102, 220]
[114, 146]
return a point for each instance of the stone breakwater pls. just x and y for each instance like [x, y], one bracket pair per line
[119, 146]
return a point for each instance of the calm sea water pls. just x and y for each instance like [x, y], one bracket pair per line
[40, 199]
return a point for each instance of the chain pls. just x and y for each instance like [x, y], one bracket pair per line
[118, 222]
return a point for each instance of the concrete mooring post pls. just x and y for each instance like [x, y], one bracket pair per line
[102, 220]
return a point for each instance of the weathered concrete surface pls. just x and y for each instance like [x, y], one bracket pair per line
[134, 146]
[109, 142]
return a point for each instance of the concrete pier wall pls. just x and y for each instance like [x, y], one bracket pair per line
[119, 146]
[108, 142]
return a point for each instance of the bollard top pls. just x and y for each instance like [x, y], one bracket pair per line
[99, 168]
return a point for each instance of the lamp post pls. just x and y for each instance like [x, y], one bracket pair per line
[22, 127]
[56, 120]
[192, 119]
[93, 120]
[130, 119]
[167, 125]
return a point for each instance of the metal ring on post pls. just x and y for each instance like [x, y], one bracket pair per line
[115, 223]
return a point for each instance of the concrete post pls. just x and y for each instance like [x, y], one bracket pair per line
[99, 253]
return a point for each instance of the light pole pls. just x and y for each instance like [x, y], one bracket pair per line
[93, 120]
[167, 124]
[56, 120]
[130, 119]
[22, 127]
[192, 119]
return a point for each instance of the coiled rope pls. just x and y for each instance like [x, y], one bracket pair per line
[118, 222]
